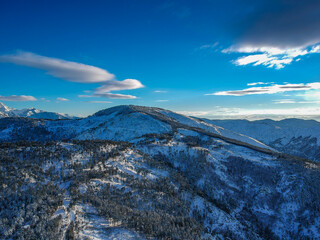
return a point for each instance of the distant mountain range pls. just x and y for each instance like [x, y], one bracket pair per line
[294, 136]
[6, 111]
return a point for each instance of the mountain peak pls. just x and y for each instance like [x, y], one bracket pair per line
[4, 107]
[126, 109]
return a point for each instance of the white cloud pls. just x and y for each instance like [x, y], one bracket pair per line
[115, 96]
[60, 99]
[160, 91]
[284, 101]
[18, 98]
[162, 100]
[269, 57]
[109, 95]
[85, 96]
[44, 99]
[277, 33]
[119, 85]
[70, 71]
[292, 101]
[212, 46]
[312, 95]
[75, 72]
[276, 88]
[259, 83]
[257, 59]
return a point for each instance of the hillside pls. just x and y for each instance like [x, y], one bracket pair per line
[133, 172]
[121, 123]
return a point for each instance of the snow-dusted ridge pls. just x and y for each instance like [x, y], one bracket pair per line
[126, 123]
[129, 122]
[176, 120]
[293, 136]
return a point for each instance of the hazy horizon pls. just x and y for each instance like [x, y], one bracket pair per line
[249, 117]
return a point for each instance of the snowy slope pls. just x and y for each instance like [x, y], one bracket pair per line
[185, 186]
[5, 110]
[194, 122]
[126, 123]
[294, 136]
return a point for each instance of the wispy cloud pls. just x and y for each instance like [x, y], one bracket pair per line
[119, 85]
[270, 89]
[44, 99]
[74, 72]
[109, 95]
[270, 57]
[278, 33]
[18, 98]
[312, 95]
[160, 91]
[209, 46]
[162, 100]
[284, 101]
[259, 83]
[61, 99]
[292, 101]
[70, 71]
[115, 96]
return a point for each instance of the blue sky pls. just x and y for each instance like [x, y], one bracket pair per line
[205, 58]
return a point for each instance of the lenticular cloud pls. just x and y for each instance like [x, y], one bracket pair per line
[70, 71]
[275, 88]
[76, 72]
[17, 98]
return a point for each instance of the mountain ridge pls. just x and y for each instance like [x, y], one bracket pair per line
[294, 136]
[174, 120]
[130, 122]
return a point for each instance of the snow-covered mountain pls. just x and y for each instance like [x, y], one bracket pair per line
[123, 123]
[6, 111]
[293, 136]
[132, 172]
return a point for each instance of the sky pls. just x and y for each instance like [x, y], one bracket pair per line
[205, 58]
